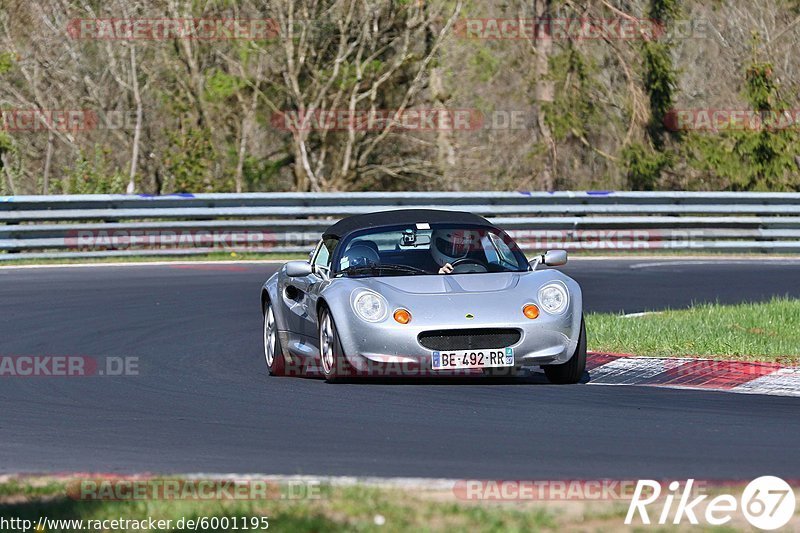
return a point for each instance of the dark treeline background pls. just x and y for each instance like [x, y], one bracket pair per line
[189, 115]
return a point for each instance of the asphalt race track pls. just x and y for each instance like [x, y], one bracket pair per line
[202, 401]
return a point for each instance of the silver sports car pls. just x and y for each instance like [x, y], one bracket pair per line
[422, 293]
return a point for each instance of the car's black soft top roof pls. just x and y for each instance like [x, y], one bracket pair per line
[402, 216]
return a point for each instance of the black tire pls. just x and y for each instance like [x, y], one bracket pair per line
[572, 371]
[335, 368]
[277, 364]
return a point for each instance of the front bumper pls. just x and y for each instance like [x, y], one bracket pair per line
[388, 347]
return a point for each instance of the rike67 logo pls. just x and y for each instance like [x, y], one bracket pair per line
[767, 503]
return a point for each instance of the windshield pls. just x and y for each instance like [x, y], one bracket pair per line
[425, 249]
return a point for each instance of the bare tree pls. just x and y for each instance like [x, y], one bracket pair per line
[347, 55]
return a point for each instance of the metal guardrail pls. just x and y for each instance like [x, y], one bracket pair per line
[187, 224]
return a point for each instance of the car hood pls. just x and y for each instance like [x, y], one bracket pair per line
[456, 300]
[449, 284]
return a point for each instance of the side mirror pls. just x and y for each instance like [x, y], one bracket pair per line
[554, 258]
[298, 269]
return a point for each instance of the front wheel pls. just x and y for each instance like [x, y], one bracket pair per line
[273, 354]
[331, 356]
[571, 371]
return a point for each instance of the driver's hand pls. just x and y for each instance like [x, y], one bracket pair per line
[446, 269]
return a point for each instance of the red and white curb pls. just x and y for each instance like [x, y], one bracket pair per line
[706, 374]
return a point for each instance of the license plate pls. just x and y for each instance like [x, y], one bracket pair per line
[473, 359]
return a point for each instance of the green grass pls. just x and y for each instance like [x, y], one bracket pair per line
[352, 508]
[768, 331]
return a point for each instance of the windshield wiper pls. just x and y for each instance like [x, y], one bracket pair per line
[384, 267]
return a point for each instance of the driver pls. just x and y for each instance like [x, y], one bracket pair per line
[360, 254]
[448, 246]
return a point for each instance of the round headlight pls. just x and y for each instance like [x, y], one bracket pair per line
[553, 298]
[370, 306]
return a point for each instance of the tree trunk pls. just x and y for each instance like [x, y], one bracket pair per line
[47, 162]
[543, 94]
[137, 133]
[4, 166]
[446, 153]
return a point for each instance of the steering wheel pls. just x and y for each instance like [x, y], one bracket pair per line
[470, 265]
